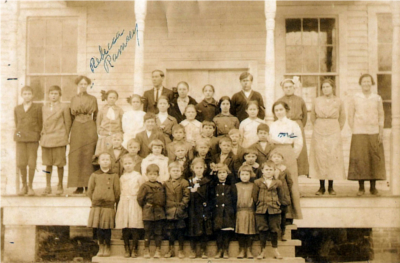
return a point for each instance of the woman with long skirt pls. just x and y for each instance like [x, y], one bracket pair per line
[83, 137]
[288, 140]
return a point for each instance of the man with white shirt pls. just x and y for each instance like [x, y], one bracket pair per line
[240, 99]
[151, 96]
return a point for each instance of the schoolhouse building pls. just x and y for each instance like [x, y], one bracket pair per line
[117, 44]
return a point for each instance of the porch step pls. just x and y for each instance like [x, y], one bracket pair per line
[120, 259]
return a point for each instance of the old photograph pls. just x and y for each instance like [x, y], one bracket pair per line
[200, 131]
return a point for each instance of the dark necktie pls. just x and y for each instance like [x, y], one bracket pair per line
[157, 94]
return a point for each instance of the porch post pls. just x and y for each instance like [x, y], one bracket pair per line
[140, 14]
[395, 154]
[270, 11]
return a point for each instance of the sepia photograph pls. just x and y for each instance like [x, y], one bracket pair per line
[200, 131]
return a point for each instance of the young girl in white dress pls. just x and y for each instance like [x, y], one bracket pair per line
[132, 121]
[129, 213]
[156, 157]
[192, 126]
[248, 127]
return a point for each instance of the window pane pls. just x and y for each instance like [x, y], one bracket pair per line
[69, 59]
[68, 88]
[70, 32]
[293, 58]
[37, 84]
[36, 60]
[385, 86]
[53, 32]
[327, 34]
[36, 34]
[387, 108]
[310, 31]
[384, 57]
[293, 32]
[52, 58]
[385, 28]
[327, 59]
[310, 59]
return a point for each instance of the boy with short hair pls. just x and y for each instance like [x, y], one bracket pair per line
[54, 139]
[225, 157]
[237, 149]
[151, 198]
[150, 133]
[177, 199]
[250, 158]
[116, 152]
[178, 134]
[263, 147]
[208, 131]
[203, 151]
[28, 125]
[182, 158]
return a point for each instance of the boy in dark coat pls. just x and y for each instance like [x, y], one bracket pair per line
[200, 207]
[178, 134]
[28, 125]
[151, 198]
[224, 199]
[177, 198]
[263, 147]
[225, 157]
[181, 157]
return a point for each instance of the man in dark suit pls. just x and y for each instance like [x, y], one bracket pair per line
[151, 96]
[241, 98]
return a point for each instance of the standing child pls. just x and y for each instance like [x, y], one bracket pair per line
[177, 199]
[248, 127]
[117, 151]
[287, 183]
[109, 121]
[266, 195]
[225, 121]
[156, 157]
[207, 132]
[104, 192]
[151, 198]
[225, 157]
[150, 133]
[224, 197]
[133, 150]
[203, 152]
[133, 120]
[129, 213]
[208, 108]
[200, 207]
[250, 159]
[54, 139]
[182, 158]
[192, 126]
[178, 134]
[164, 121]
[262, 147]
[245, 218]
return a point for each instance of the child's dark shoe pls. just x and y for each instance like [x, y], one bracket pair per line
[331, 191]
[219, 254]
[320, 191]
[360, 192]
[277, 255]
[107, 251]
[374, 192]
[146, 253]
[157, 254]
[249, 254]
[241, 253]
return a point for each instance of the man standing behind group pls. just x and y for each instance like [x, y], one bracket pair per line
[151, 96]
[240, 99]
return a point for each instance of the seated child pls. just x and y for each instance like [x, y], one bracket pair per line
[133, 150]
[164, 121]
[156, 157]
[178, 134]
[207, 131]
[199, 224]
[129, 212]
[245, 217]
[287, 183]
[266, 193]
[225, 157]
[224, 200]
[151, 198]
[150, 133]
[182, 158]
[104, 192]
[192, 126]
[263, 147]
[248, 127]
[250, 158]
[177, 199]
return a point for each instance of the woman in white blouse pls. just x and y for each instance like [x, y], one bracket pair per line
[366, 119]
[287, 137]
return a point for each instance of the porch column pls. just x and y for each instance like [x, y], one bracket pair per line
[395, 169]
[270, 11]
[140, 14]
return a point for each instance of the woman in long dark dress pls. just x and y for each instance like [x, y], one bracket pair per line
[83, 136]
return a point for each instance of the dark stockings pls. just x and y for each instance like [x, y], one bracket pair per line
[223, 239]
[264, 236]
[104, 236]
[201, 239]
[245, 241]
[176, 234]
[128, 233]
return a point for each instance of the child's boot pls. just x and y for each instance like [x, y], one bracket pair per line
[146, 253]
[203, 254]
[101, 250]
[192, 254]
[241, 253]
[170, 252]
[133, 253]
[249, 254]
[219, 254]
[181, 254]
[283, 236]
[157, 254]
[107, 251]
[127, 253]
[321, 189]
[361, 190]
[261, 255]
[226, 254]
[277, 255]
[373, 189]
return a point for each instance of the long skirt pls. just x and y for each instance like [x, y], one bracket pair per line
[82, 147]
[367, 159]
[100, 217]
[129, 213]
[294, 210]
[302, 160]
[326, 151]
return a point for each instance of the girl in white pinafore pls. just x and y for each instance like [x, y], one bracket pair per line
[129, 213]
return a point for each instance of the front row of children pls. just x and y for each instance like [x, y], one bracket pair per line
[204, 204]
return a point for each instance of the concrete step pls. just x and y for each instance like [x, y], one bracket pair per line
[121, 259]
[286, 248]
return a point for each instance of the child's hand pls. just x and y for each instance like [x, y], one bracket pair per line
[193, 189]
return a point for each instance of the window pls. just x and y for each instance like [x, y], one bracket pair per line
[52, 55]
[311, 53]
[384, 73]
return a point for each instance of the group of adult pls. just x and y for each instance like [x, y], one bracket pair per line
[325, 162]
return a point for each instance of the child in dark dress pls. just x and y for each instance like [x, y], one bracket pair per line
[224, 199]
[200, 208]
